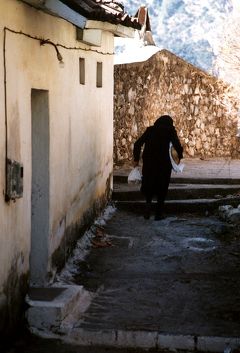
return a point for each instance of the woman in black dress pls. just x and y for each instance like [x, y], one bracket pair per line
[157, 167]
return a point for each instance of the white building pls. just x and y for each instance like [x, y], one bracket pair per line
[56, 126]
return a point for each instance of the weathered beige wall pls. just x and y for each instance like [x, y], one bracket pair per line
[81, 132]
[166, 84]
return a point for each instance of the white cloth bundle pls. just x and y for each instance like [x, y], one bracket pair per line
[177, 166]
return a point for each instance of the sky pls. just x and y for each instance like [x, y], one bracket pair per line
[189, 28]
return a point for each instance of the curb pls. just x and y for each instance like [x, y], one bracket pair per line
[144, 340]
[186, 192]
[180, 206]
[148, 340]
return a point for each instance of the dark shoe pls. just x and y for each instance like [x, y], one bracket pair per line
[147, 212]
[146, 215]
[158, 217]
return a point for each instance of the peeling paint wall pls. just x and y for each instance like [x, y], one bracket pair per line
[80, 133]
[166, 84]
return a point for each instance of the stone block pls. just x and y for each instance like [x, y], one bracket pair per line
[174, 342]
[136, 339]
[49, 307]
[89, 337]
[216, 344]
[223, 211]
[233, 216]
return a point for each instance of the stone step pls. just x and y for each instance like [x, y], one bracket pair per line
[122, 178]
[56, 308]
[125, 192]
[201, 206]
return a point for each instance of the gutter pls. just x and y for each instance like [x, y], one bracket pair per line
[58, 9]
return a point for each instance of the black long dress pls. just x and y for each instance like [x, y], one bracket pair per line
[156, 171]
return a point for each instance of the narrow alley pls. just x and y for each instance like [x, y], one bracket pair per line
[81, 269]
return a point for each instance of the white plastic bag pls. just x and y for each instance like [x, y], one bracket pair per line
[177, 167]
[134, 176]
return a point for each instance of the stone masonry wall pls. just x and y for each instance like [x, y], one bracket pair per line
[166, 84]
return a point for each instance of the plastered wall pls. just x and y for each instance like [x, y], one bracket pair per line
[80, 133]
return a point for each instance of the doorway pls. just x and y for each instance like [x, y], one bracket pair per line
[40, 187]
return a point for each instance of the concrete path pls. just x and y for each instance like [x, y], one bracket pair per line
[170, 284]
[211, 168]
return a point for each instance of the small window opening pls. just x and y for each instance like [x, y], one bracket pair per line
[99, 74]
[82, 71]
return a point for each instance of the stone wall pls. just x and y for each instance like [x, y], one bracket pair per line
[166, 84]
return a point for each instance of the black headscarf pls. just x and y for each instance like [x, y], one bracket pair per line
[164, 120]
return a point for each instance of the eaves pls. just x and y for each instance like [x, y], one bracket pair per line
[58, 9]
[116, 29]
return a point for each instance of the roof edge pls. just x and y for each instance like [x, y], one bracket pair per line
[58, 9]
[118, 29]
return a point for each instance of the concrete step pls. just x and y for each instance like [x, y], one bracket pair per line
[125, 192]
[56, 308]
[122, 178]
[200, 206]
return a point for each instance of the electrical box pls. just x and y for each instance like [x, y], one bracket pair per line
[14, 180]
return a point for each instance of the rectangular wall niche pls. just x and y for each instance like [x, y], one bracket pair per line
[99, 74]
[82, 71]
[40, 221]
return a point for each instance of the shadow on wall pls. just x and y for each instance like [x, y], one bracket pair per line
[12, 301]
